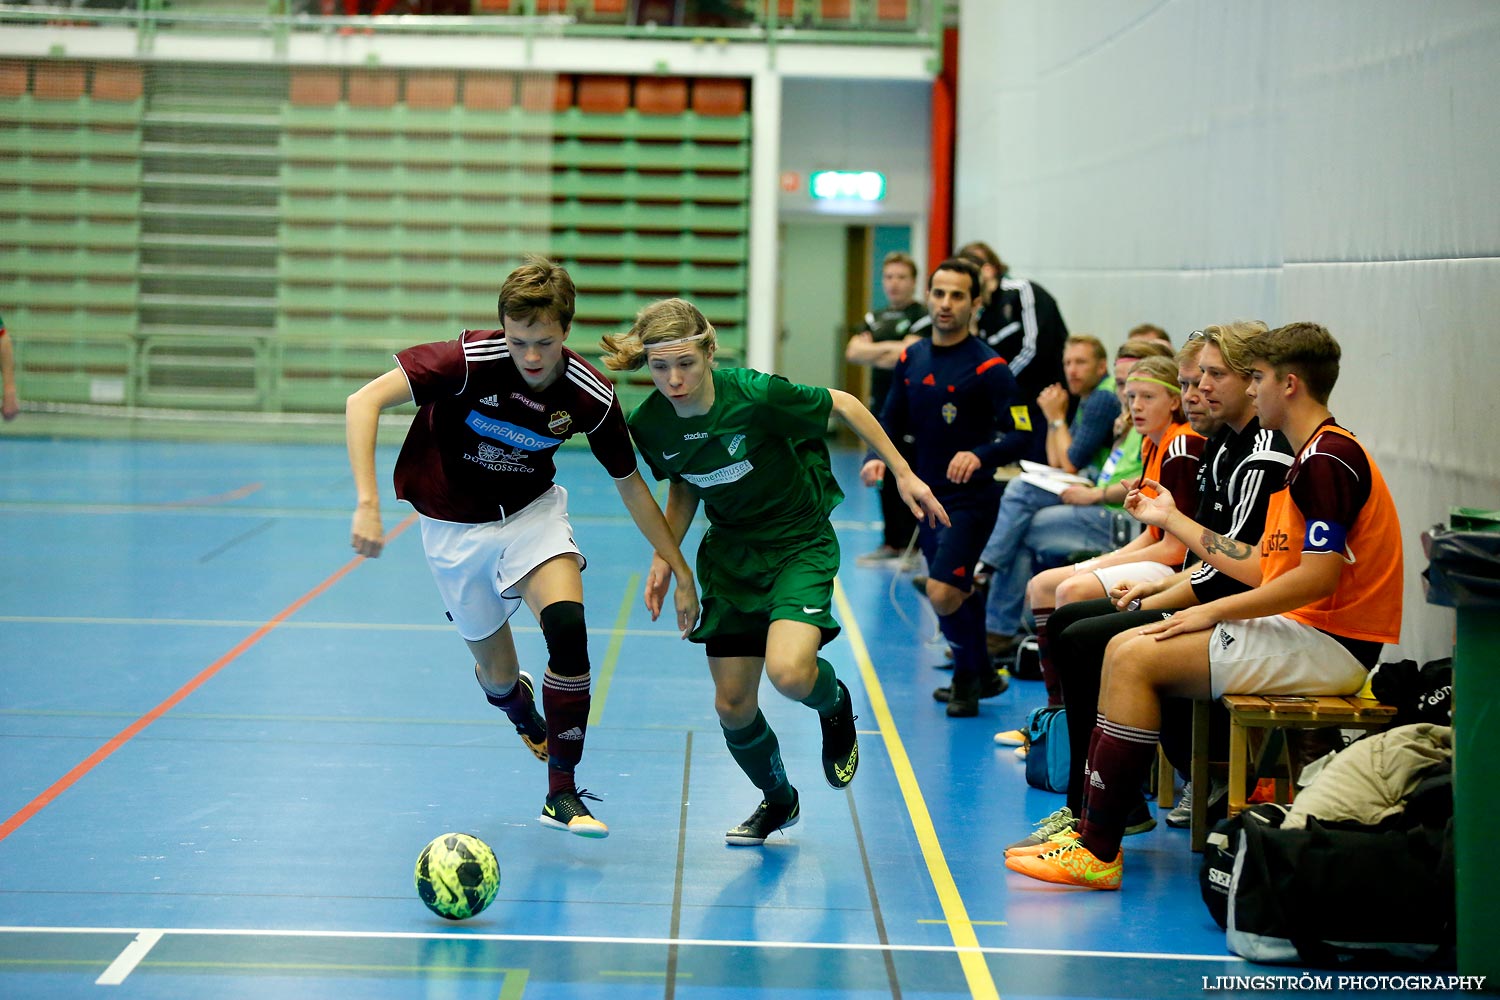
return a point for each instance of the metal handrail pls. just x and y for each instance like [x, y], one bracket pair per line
[148, 18]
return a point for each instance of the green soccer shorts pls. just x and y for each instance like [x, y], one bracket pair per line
[746, 585]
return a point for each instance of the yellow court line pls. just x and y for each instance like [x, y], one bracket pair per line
[955, 914]
[612, 655]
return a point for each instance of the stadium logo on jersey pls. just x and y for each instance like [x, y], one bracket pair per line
[696, 436]
[524, 400]
[950, 413]
[559, 422]
[734, 444]
[498, 459]
[492, 400]
[1274, 541]
[720, 477]
[516, 437]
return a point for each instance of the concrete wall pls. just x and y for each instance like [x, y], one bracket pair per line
[1189, 162]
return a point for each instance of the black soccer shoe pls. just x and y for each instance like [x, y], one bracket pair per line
[565, 811]
[766, 820]
[840, 742]
[992, 685]
[533, 731]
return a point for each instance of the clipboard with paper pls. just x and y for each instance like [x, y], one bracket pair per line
[1050, 479]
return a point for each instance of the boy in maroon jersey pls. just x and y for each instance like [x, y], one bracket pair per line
[493, 407]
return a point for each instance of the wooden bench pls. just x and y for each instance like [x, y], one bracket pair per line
[1198, 776]
[1275, 712]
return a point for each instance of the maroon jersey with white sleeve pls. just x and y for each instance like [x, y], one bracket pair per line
[482, 443]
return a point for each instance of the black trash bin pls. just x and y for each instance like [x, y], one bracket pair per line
[1464, 573]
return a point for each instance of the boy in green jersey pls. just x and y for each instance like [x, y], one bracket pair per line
[750, 447]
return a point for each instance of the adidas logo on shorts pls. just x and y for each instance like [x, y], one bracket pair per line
[1224, 638]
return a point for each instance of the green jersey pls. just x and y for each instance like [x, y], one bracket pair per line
[757, 457]
[1124, 463]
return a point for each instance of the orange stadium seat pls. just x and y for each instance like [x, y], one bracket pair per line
[58, 81]
[13, 74]
[544, 92]
[489, 91]
[316, 87]
[719, 96]
[117, 82]
[431, 90]
[603, 94]
[661, 95]
[372, 89]
[608, 10]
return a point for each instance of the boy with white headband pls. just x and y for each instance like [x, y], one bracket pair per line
[750, 447]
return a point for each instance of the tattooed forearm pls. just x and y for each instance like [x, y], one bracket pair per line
[1233, 548]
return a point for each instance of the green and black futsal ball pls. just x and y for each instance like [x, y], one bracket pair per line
[457, 875]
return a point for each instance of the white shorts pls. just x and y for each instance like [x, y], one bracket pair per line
[477, 566]
[1277, 655]
[1138, 572]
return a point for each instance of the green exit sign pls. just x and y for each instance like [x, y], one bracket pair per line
[847, 185]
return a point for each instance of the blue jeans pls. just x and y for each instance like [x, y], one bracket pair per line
[1036, 531]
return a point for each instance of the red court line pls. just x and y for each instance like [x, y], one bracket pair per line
[234, 494]
[124, 736]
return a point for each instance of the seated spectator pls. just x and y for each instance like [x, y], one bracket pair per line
[1082, 446]
[1036, 527]
[1313, 624]
[1150, 331]
[1170, 454]
[1243, 464]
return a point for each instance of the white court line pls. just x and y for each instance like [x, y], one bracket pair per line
[125, 962]
[585, 939]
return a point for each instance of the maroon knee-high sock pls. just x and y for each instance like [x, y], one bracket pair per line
[1079, 806]
[1118, 765]
[565, 700]
[1044, 655]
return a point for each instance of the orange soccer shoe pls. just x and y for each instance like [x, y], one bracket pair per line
[1070, 864]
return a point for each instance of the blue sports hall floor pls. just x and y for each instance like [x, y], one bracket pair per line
[224, 740]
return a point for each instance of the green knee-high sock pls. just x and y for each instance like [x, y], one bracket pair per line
[824, 697]
[758, 753]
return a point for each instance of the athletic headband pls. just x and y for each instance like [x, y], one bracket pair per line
[674, 343]
[1144, 378]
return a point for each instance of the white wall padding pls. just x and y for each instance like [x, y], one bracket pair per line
[1191, 162]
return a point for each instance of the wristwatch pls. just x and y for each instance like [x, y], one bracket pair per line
[1059, 423]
